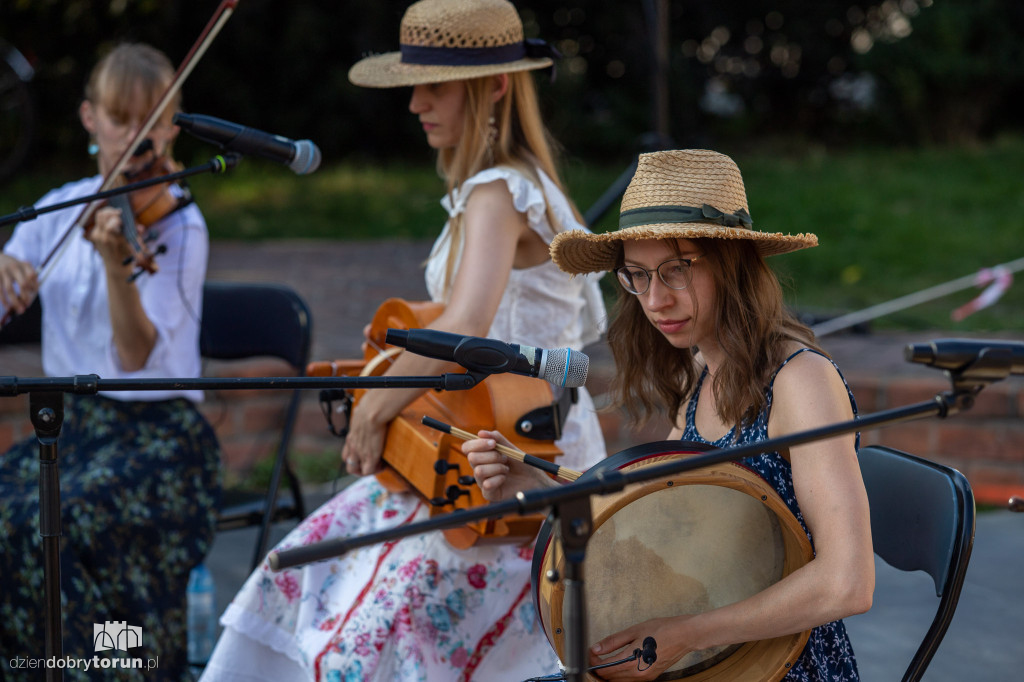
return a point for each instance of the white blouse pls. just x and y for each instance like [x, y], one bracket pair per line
[542, 306]
[77, 334]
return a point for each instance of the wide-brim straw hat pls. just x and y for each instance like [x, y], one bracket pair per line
[446, 40]
[679, 194]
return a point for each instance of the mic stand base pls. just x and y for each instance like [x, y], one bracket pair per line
[574, 525]
[46, 411]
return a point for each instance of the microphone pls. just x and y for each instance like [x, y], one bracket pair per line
[649, 654]
[563, 367]
[302, 156]
[956, 354]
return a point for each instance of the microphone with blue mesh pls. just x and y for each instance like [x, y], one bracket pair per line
[563, 367]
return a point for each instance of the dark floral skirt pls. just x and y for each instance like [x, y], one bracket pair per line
[140, 485]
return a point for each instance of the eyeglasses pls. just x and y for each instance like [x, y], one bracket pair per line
[674, 273]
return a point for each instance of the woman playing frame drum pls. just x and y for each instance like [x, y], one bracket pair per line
[701, 333]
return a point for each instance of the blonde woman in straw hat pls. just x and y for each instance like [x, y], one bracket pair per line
[419, 609]
[700, 332]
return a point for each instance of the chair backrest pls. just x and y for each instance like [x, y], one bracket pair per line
[24, 328]
[243, 320]
[922, 518]
[234, 325]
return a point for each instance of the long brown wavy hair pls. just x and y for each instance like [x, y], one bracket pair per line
[522, 142]
[751, 324]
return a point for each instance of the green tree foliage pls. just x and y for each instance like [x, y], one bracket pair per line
[737, 70]
[952, 79]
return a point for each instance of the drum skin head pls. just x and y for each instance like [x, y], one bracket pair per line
[680, 544]
[684, 549]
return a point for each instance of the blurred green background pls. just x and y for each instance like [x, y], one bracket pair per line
[890, 129]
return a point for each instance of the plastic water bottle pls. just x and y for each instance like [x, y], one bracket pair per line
[202, 615]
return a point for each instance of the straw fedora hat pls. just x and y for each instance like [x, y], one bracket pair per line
[446, 40]
[681, 194]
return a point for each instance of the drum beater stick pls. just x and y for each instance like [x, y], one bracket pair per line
[511, 453]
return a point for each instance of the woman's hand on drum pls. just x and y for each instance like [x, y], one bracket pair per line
[498, 476]
[671, 646]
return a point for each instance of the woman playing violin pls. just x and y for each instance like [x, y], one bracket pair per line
[419, 609]
[139, 469]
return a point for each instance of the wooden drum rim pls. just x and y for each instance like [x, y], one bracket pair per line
[765, 661]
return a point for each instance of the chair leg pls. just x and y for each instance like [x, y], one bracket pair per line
[280, 462]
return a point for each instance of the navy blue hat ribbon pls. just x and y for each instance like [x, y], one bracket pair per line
[429, 55]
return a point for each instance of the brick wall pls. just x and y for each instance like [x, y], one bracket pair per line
[986, 442]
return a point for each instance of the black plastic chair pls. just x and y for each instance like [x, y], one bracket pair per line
[245, 320]
[922, 518]
[24, 328]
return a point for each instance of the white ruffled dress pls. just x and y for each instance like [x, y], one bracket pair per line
[417, 609]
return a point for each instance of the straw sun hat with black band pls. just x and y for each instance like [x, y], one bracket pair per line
[681, 194]
[446, 40]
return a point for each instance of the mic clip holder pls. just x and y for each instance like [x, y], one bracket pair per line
[991, 365]
[451, 382]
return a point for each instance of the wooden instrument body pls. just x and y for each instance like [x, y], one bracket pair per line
[685, 543]
[411, 449]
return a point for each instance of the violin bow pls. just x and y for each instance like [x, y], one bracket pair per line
[210, 31]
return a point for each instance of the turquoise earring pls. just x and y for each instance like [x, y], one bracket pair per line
[94, 148]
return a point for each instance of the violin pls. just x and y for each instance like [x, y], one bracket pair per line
[422, 460]
[146, 206]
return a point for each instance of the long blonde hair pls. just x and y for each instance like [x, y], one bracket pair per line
[751, 324]
[131, 68]
[522, 142]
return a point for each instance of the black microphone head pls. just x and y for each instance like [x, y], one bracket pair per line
[307, 157]
[565, 367]
[649, 654]
[396, 337]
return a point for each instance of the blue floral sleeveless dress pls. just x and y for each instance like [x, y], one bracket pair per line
[828, 655]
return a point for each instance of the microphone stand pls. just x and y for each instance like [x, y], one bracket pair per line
[46, 412]
[570, 503]
[218, 164]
